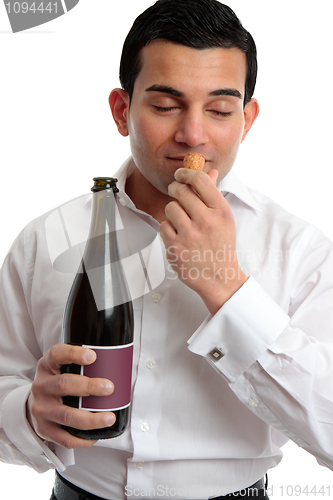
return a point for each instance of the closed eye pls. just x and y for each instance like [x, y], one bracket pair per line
[221, 113]
[164, 110]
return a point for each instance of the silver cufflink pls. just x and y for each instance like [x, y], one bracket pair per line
[216, 354]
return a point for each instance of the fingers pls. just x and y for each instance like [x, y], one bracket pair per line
[195, 195]
[68, 384]
[179, 220]
[167, 231]
[213, 174]
[65, 439]
[63, 354]
[82, 419]
[203, 184]
[200, 223]
[51, 430]
[46, 412]
[187, 200]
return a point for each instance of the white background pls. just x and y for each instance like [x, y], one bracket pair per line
[56, 133]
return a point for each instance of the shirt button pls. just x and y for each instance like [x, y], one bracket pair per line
[150, 364]
[253, 403]
[156, 297]
[123, 202]
[144, 426]
[140, 465]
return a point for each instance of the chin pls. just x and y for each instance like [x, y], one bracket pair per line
[163, 189]
[162, 185]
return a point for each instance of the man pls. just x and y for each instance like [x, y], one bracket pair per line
[232, 353]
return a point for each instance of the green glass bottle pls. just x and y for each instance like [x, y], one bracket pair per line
[99, 315]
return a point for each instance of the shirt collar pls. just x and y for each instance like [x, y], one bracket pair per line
[123, 172]
[230, 184]
[233, 185]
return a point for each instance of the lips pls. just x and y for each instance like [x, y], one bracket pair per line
[179, 158]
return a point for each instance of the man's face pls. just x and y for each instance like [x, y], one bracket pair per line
[186, 100]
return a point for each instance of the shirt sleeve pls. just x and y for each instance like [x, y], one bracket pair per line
[279, 364]
[19, 354]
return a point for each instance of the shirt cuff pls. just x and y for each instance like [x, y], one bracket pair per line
[41, 454]
[243, 329]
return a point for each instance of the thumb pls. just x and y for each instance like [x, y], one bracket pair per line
[213, 174]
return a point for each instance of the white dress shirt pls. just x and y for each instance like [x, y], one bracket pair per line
[202, 424]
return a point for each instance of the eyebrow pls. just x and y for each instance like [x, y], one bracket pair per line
[231, 92]
[166, 90]
[176, 93]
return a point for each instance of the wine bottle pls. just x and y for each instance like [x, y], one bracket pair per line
[99, 315]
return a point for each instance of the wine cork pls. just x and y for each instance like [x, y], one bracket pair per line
[194, 161]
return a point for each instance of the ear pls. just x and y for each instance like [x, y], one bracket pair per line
[251, 111]
[119, 104]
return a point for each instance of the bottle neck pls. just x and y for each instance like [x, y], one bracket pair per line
[101, 260]
[103, 216]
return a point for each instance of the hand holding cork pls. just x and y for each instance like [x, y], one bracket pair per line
[199, 220]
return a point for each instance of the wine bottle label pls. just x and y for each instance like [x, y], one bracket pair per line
[113, 363]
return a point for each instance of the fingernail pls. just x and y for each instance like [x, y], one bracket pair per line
[89, 356]
[108, 386]
[110, 420]
[180, 173]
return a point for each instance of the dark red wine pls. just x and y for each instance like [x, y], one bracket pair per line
[99, 315]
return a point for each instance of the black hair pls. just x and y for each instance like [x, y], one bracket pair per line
[200, 24]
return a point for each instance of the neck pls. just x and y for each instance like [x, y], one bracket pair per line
[145, 196]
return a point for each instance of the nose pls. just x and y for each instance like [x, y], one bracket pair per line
[192, 129]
